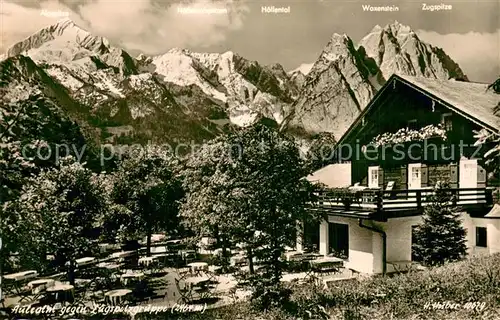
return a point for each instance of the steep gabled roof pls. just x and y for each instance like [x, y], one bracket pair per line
[470, 99]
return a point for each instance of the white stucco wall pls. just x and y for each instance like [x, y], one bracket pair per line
[365, 246]
[378, 249]
[360, 245]
[492, 232]
[398, 232]
[323, 238]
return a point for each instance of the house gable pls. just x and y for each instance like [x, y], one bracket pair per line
[470, 101]
[391, 126]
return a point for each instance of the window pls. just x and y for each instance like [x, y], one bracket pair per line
[412, 124]
[338, 240]
[415, 173]
[481, 238]
[446, 121]
[373, 177]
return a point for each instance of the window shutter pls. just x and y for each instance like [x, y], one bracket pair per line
[381, 178]
[404, 180]
[424, 176]
[481, 177]
[454, 175]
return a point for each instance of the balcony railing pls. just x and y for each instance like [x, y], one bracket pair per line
[379, 200]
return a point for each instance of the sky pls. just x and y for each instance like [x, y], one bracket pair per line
[469, 33]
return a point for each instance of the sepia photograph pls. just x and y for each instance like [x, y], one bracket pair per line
[249, 159]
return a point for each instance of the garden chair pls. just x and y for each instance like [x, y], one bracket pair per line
[185, 294]
[201, 293]
[233, 294]
[389, 194]
[141, 292]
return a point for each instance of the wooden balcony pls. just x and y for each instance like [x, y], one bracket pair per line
[380, 205]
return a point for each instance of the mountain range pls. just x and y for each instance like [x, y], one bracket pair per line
[192, 96]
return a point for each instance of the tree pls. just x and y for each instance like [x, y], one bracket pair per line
[254, 192]
[34, 134]
[209, 207]
[441, 236]
[321, 152]
[491, 140]
[57, 213]
[14, 172]
[492, 156]
[494, 138]
[495, 86]
[272, 173]
[147, 190]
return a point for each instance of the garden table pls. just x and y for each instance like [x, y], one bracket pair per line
[198, 267]
[20, 276]
[196, 281]
[158, 250]
[41, 284]
[16, 280]
[115, 296]
[331, 260]
[163, 255]
[64, 291]
[198, 287]
[131, 275]
[146, 261]
[187, 253]
[166, 258]
[175, 241]
[121, 254]
[109, 265]
[326, 264]
[85, 261]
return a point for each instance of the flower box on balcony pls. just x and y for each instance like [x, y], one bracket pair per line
[409, 135]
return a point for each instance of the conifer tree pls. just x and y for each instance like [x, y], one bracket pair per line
[441, 236]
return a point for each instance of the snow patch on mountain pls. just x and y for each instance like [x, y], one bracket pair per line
[61, 42]
[65, 78]
[304, 68]
[208, 88]
[108, 84]
[176, 66]
[242, 116]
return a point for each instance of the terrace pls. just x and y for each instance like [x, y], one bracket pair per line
[382, 204]
[175, 273]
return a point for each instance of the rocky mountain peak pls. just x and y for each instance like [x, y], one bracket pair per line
[61, 36]
[339, 45]
[344, 78]
[179, 51]
[396, 28]
[66, 44]
[206, 91]
[377, 28]
[396, 48]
